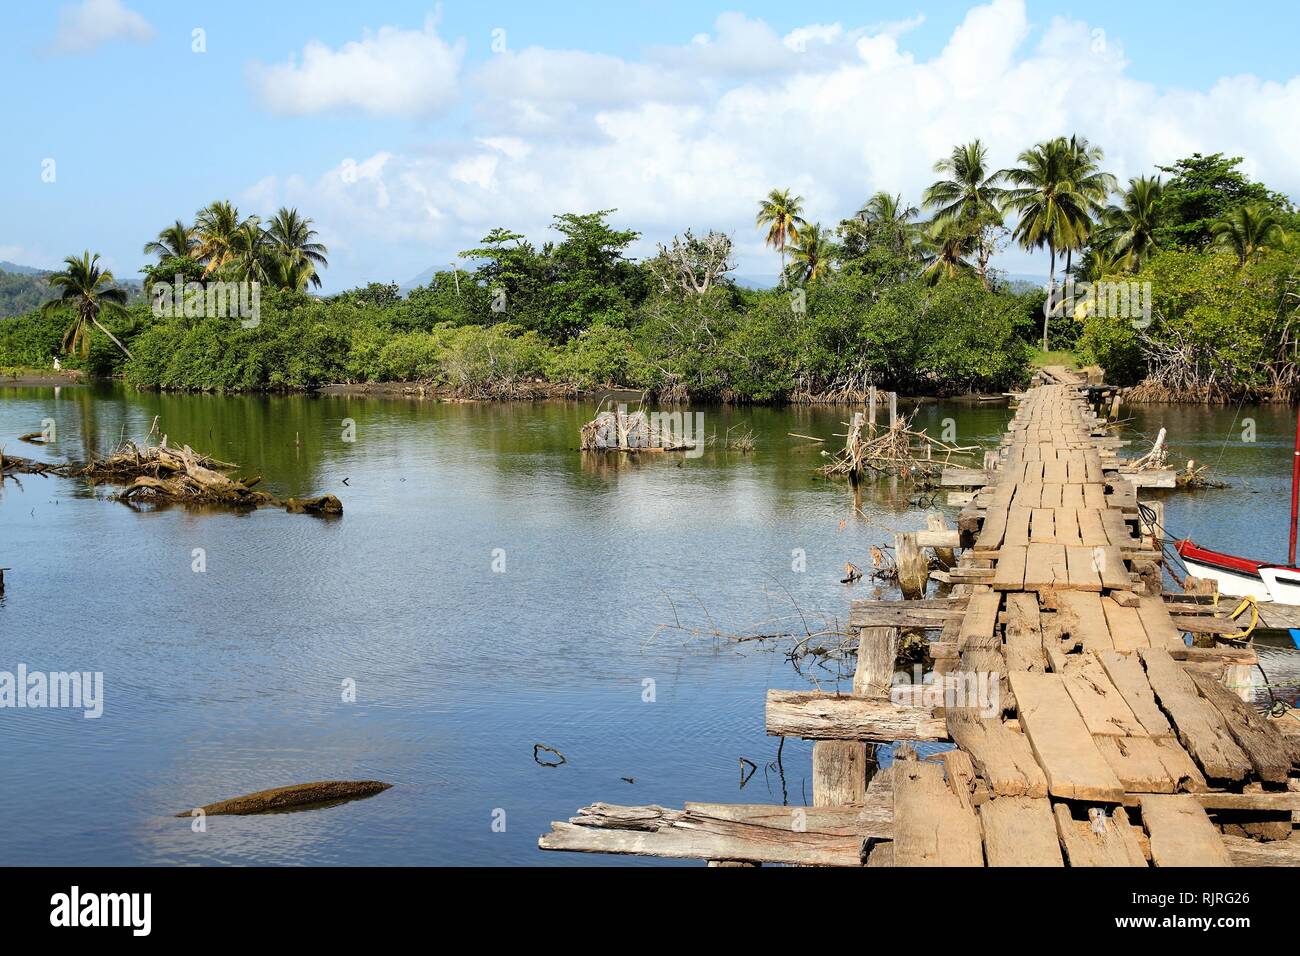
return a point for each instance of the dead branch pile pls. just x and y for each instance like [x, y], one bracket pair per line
[896, 450]
[162, 473]
[639, 431]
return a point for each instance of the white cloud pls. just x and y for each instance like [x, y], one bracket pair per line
[388, 72]
[741, 111]
[87, 25]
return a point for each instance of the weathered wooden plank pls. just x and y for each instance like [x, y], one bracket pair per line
[1042, 526]
[979, 626]
[1045, 567]
[1126, 631]
[1126, 673]
[1010, 572]
[932, 827]
[1247, 852]
[1020, 831]
[1157, 623]
[877, 652]
[1081, 616]
[839, 773]
[1150, 764]
[1099, 703]
[1181, 833]
[1023, 646]
[1002, 757]
[1017, 526]
[1062, 745]
[821, 715]
[1103, 840]
[1082, 568]
[1200, 727]
[786, 835]
[1263, 745]
[995, 526]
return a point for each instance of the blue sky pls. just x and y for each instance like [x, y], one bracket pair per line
[406, 130]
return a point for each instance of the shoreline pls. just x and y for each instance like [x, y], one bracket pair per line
[44, 378]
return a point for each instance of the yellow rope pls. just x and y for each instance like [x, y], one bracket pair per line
[1246, 602]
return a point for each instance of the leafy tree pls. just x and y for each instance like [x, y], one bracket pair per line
[175, 242]
[1200, 192]
[216, 227]
[293, 243]
[1131, 227]
[892, 221]
[948, 244]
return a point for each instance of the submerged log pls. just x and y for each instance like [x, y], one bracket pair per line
[320, 505]
[300, 796]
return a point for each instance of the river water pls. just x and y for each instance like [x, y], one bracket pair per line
[488, 588]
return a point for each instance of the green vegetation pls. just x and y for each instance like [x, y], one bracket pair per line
[883, 298]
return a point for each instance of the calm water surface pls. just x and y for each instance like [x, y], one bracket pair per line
[230, 680]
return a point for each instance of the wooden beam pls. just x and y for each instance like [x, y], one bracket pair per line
[821, 715]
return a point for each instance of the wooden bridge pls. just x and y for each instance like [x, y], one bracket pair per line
[1087, 731]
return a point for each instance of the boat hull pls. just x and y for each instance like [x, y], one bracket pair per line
[1242, 577]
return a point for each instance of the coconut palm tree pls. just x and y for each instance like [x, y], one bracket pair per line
[215, 227]
[176, 241]
[893, 218]
[1129, 226]
[781, 214]
[1053, 212]
[971, 192]
[90, 292]
[295, 274]
[1247, 230]
[947, 246]
[250, 251]
[292, 239]
[1101, 261]
[811, 255]
[1093, 185]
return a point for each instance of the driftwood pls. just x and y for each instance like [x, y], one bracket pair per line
[301, 796]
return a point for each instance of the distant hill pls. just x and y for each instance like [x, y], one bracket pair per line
[16, 269]
[22, 289]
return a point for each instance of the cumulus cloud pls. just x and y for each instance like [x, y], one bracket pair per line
[696, 135]
[388, 72]
[88, 25]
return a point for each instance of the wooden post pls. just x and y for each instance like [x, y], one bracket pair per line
[913, 566]
[871, 410]
[877, 650]
[1114, 407]
[936, 522]
[893, 410]
[839, 773]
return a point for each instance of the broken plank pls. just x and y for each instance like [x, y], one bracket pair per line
[1263, 744]
[1200, 727]
[1099, 703]
[1082, 568]
[1045, 567]
[1151, 764]
[1126, 673]
[1062, 745]
[1002, 756]
[1105, 840]
[1081, 616]
[1126, 631]
[1023, 644]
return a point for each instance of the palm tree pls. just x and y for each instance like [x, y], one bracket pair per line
[1101, 261]
[295, 274]
[1247, 230]
[250, 251]
[292, 239]
[947, 245]
[1130, 226]
[893, 218]
[812, 252]
[780, 213]
[176, 241]
[1053, 212]
[90, 292]
[1092, 184]
[215, 227]
[970, 192]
